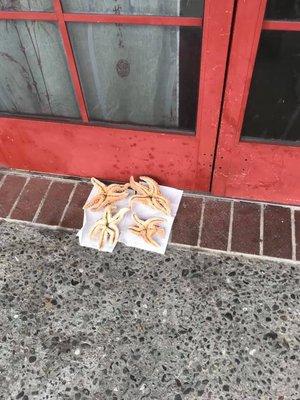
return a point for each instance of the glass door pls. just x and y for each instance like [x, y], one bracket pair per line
[258, 152]
[113, 88]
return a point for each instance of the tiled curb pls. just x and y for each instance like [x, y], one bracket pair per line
[203, 222]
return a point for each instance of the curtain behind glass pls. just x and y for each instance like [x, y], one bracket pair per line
[130, 74]
[130, 7]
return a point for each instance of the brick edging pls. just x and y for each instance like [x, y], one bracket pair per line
[203, 222]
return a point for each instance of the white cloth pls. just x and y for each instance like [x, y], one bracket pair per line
[144, 212]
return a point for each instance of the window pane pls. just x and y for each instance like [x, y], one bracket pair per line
[273, 109]
[34, 78]
[26, 5]
[188, 8]
[283, 9]
[145, 75]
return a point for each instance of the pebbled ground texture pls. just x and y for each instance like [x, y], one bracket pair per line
[79, 324]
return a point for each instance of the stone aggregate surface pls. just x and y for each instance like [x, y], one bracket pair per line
[79, 324]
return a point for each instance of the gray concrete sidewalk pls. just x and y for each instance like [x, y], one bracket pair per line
[78, 324]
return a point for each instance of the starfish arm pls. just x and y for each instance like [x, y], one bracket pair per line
[97, 204]
[138, 187]
[157, 205]
[164, 200]
[160, 205]
[99, 185]
[111, 234]
[150, 240]
[141, 199]
[106, 235]
[137, 228]
[154, 222]
[96, 228]
[134, 230]
[143, 235]
[137, 197]
[119, 215]
[107, 202]
[108, 212]
[116, 188]
[111, 199]
[116, 231]
[94, 201]
[161, 232]
[101, 241]
[138, 221]
[120, 195]
[152, 184]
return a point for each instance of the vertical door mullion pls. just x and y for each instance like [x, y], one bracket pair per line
[246, 34]
[71, 60]
[217, 24]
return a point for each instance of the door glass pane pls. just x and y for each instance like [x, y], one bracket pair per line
[273, 109]
[26, 5]
[283, 9]
[34, 78]
[188, 8]
[145, 75]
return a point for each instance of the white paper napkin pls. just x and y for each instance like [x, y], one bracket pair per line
[144, 212]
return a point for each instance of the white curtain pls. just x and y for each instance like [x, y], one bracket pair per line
[130, 73]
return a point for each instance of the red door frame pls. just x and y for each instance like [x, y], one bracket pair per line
[116, 152]
[252, 169]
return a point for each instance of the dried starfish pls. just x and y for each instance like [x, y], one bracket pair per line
[106, 226]
[149, 194]
[147, 229]
[106, 195]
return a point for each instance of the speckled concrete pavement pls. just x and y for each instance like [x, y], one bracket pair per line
[78, 324]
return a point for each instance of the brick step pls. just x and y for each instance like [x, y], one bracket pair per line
[202, 221]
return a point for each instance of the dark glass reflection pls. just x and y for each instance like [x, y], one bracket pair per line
[283, 9]
[273, 109]
[191, 8]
